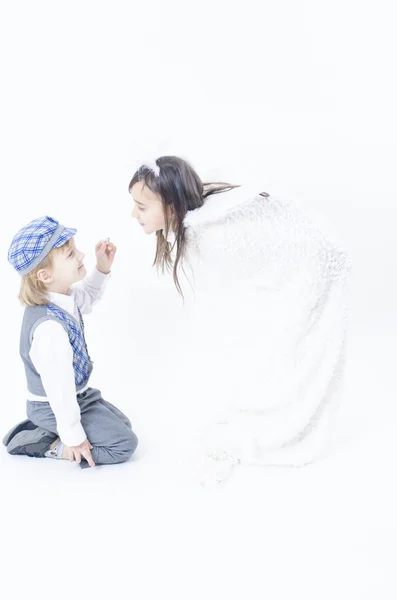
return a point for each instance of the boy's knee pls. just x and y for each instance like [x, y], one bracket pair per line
[123, 449]
[130, 445]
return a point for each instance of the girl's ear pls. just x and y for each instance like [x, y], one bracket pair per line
[45, 276]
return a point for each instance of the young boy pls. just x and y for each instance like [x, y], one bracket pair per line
[66, 418]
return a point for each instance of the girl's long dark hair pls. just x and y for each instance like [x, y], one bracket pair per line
[181, 190]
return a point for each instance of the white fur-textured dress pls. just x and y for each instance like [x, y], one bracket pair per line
[270, 312]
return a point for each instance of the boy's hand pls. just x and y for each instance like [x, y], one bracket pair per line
[105, 252]
[77, 452]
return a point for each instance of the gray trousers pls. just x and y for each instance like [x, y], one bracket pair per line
[107, 428]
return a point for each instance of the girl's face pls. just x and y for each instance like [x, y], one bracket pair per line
[147, 209]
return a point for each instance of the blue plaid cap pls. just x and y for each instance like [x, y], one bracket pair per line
[35, 241]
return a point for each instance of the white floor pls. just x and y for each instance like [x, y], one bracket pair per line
[146, 528]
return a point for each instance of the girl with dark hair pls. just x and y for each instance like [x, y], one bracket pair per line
[279, 283]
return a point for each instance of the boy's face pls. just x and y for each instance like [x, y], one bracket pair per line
[67, 268]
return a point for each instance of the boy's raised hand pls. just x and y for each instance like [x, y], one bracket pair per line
[105, 252]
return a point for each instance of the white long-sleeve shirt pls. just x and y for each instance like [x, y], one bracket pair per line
[52, 357]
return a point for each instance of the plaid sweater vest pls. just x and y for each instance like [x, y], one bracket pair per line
[82, 364]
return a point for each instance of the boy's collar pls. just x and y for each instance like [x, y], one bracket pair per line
[64, 301]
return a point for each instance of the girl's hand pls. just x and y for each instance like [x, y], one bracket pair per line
[105, 252]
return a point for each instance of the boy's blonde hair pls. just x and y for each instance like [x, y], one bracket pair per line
[33, 292]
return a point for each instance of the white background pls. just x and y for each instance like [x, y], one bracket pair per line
[299, 95]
